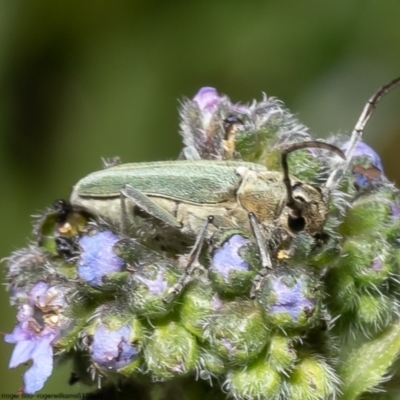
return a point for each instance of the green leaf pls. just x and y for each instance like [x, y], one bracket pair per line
[365, 366]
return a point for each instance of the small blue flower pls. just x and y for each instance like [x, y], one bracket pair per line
[227, 258]
[98, 258]
[40, 322]
[366, 174]
[111, 349]
[289, 299]
[363, 150]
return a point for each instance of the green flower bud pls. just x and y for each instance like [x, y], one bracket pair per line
[312, 379]
[152, 278]
[307, 163]
[392, 232]
[367, 216]
[259, 380]
[373, 309]
[342, 289]
[198, 301]
[369, 262]
[210, 365]
[281, 353]
[290, 297]
[237, 331]
[171, 351]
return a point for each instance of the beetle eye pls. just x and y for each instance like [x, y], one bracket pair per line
[296, 224]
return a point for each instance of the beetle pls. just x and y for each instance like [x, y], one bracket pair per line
[180, 195]
[179, 203]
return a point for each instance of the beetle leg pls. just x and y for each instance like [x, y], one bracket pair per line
[191, 263]
[147, 205]
[266, 264]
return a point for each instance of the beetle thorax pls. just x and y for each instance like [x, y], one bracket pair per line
[262, 193]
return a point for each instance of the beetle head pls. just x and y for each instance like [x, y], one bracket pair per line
[306, 207]
[310, 212]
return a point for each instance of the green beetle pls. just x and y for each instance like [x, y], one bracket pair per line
[180, 195]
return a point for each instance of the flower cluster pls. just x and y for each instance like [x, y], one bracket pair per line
[248, 311]
[41, 322]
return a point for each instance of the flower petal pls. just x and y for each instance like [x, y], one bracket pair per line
[207, 98]
[98, 258]
[42, 367]
[22, 353]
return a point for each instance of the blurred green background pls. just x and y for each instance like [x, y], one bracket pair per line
[85, 80]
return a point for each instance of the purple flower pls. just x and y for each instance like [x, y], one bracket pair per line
[111, 349]
[366, 174]
[40, 322]
[156, 286]
[98, 258]
[363, 150]
[227, 258]
[289, 299]
[209, 124]
[208, 99]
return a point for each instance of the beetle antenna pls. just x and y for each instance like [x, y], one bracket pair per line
[337, 175]
[291, 202]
